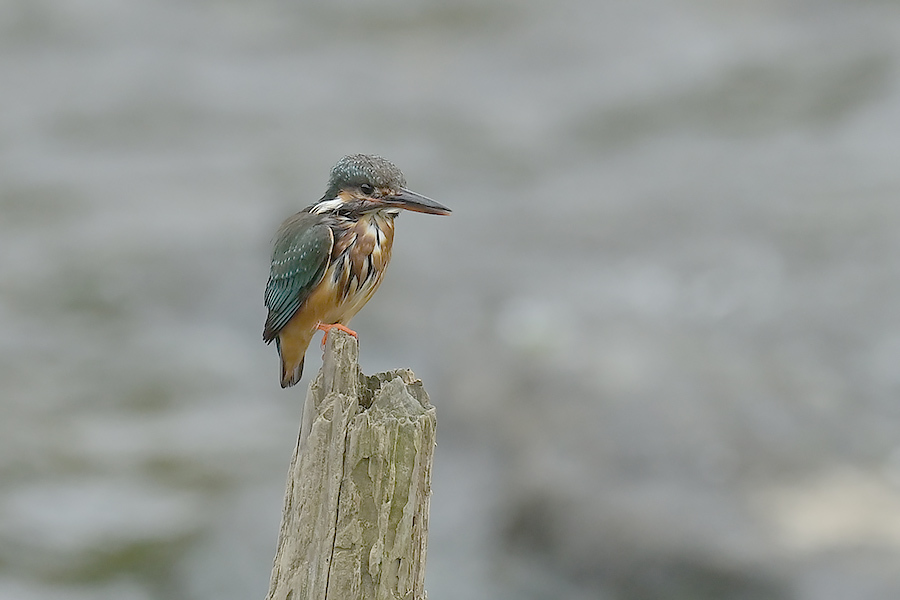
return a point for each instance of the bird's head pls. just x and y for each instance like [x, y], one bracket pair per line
[361, 184]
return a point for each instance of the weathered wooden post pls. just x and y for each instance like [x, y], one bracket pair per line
[355, 520]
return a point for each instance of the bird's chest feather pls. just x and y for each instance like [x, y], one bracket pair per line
[361, 252]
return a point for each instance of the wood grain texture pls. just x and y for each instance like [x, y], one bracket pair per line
[355, 519]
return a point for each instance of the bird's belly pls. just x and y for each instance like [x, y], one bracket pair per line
[347, 305]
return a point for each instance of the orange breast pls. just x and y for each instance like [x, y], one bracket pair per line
[360, 260]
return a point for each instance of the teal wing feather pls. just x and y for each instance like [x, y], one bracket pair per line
[299, 260]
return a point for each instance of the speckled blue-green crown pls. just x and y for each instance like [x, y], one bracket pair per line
[356, 169]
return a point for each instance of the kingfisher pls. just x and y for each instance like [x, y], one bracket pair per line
[329, 258]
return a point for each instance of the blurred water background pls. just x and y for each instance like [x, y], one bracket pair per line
[661, 327]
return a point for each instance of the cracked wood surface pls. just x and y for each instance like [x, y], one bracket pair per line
[355, 519]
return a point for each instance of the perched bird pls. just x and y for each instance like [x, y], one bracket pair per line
[330, 257]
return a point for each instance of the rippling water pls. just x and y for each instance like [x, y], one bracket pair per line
[661, 327]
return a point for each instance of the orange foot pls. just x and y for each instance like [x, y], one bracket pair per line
[327, 328]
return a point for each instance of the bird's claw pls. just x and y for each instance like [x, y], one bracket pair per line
[328, 327]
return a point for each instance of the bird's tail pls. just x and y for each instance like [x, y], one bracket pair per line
[291, 370]
[290, 376]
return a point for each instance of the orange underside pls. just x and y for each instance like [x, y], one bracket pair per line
[299, 331]
[321, 310]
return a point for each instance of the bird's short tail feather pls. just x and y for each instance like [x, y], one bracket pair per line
[289, 376]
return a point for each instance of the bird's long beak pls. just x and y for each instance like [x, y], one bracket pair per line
[416, 202]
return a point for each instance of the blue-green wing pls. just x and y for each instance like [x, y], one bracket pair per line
[299, 259]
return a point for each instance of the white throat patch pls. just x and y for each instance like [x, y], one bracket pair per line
[327, 205]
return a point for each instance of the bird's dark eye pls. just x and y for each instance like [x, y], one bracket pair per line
[367, 188]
